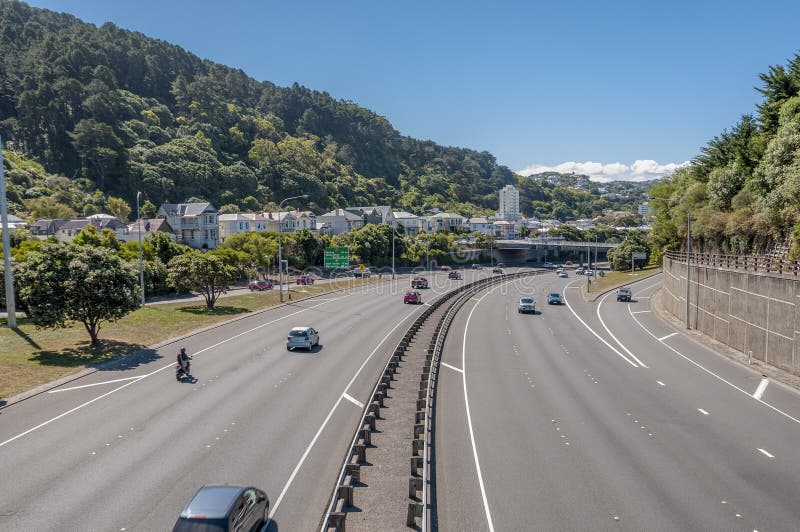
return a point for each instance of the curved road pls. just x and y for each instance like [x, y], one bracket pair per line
[125, 449]
[597, 416]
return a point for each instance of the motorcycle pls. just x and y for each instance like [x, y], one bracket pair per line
[181, 372]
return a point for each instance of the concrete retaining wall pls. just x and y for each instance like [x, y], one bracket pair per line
[747, 311]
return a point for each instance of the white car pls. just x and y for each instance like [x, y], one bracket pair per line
[526, 304]
[562, 273]
[305, 337]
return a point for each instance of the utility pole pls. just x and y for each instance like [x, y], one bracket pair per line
[688, 262]
[140, 227]
[394, 230]
[280, 232]
[10, 302]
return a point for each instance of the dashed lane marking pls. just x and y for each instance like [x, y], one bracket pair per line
[702, 411]
[667, 336]
[762, 386]
[765, 453]
[445, 364]
[353, 400]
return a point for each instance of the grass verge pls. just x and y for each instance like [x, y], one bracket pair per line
[30, 356]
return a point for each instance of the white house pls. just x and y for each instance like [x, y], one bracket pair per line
[411, 222]
[258, 222]
[71, 228]
[195, 224]
[230, 224]
[446, 221]
[479, 224]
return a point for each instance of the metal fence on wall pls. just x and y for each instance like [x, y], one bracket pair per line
[748, 263]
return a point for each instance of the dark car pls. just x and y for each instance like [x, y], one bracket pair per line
[413, 298]
[624, 294]
[554, 299]
[221, 508]
[260, 285]
[305, 279]
[455, 274]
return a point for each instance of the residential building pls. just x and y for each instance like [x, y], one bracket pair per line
[509, 203]
[644, 209]
[195, 224]
[505, 229]
[258, 222]
[340, 221]
[446, 221]
[479, 224]
[15, 222]
[69, 230]
[45, 228]
[147, 227]
[412, 224]
[231, 224]
[304, 220]
[378, 214]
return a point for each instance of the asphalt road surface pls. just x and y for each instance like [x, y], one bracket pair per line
[125, 449]
[598, 416]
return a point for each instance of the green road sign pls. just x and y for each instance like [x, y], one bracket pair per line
[337, 257]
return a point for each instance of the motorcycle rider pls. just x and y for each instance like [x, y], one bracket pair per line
[183, 360]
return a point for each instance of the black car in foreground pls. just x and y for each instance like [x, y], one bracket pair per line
[624, 294]
[223, 508]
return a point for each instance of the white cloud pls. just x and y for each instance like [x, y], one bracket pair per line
[640, 170]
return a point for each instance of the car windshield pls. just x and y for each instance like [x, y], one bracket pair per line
[301, 332]
[526, 300]
[555, 295]
[211, 502]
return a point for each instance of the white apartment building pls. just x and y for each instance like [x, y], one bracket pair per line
[509, 203]
[412, 224]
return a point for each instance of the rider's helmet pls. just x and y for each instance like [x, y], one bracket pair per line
[183, 350]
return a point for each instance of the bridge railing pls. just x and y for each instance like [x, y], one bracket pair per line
[748, 263]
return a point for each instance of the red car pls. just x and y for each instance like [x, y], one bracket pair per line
[419, 282]
[260, 285]
[446, 268]
[412, 297]
[305, 279]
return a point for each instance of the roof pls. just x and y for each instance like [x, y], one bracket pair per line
[383, 210]
[47, 221]
[344, 213]
[442, 215]
[236, 217]
[100, 216]
[212, 501]
[156, 224]
[478, 221]
[301, 328]
[76, 224]
[404, 214]
[188, 209]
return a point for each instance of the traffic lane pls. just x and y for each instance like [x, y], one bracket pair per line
[678, 359]
[731, 429]
[146, 412]
[601, 419]
[459, 504]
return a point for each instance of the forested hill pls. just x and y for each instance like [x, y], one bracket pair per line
[743, 190]
[115, 112]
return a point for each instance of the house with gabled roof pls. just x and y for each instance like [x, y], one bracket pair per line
[340, 221]
[47, 227]
[195, 224]
[148, 227]
[230, 224]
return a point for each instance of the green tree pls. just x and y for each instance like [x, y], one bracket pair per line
[65, 283]
[148, 209]
[164, 247]
[620, 257]
[48, 208]
[119, 208]
[201, 272]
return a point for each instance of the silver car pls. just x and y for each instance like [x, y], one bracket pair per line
[526, 304]
[305, 337]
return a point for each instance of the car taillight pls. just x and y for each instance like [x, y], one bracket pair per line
[307, 338]
[288, 337]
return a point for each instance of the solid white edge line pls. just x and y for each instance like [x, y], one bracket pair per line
[640, 312]
[469, 416]
[700, 366]
[603, 323]
[762, 387]
[667, 336]
[95, 384]
[445, 364]
[626, 359]
[353, 400]
[765, 453]
[703, 412]
[328, 417]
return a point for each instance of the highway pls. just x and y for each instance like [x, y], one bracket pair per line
[598, 416]
[125, 448]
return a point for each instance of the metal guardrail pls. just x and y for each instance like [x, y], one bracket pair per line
[747, 263]
[342, 496]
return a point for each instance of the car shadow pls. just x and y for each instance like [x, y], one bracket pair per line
[314, 350]
[191, 379]
[269, 526]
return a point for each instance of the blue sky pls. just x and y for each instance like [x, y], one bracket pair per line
[538, 84]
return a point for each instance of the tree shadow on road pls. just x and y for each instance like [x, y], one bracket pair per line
[219, 310]
[108, 355]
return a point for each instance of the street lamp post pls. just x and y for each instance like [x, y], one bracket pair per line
[688, 261]
[139, 231]
[11, 320]
[394, 230]
[280, 232]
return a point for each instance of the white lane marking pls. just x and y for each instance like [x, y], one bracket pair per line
[702, 411]
[87, 403]
[640, 312]
[667, 336]
[328, 417]
[353, 400]
[661, 383]
[762, 386]
[96, 384]
[700, 366]
[626, 359]
[642, 297]
[445, 364]
[765, 453]
[469, 416]
[612, 334]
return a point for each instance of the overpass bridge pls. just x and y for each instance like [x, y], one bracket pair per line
[542, 250]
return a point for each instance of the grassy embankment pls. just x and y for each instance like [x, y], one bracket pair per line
[615, 278]
[30, 356]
